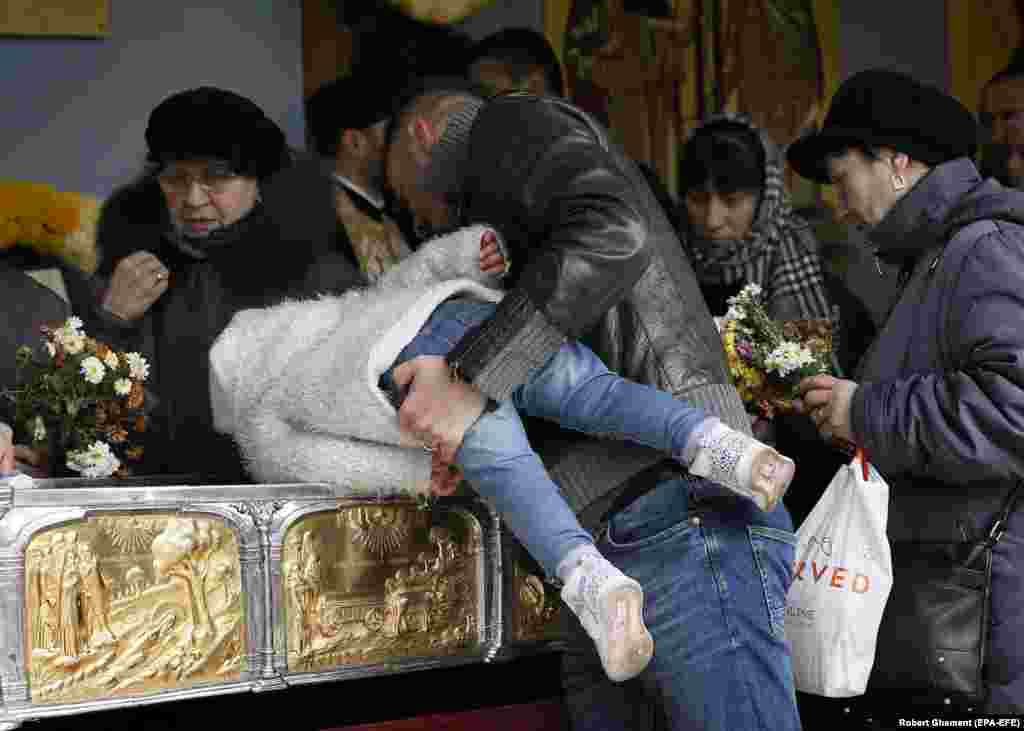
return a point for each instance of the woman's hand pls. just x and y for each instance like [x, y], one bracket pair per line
[139, 280]
[827, 400]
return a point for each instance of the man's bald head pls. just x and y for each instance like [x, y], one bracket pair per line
[427, 144]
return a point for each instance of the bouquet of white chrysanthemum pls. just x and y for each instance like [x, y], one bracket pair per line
[80, 401]
[768, 358]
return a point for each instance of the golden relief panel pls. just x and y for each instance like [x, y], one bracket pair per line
[534, 605]
[379, 583]
[121, 605]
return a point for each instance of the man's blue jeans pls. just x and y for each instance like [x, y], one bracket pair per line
[714, 568]
[715, 572]
[574, 389]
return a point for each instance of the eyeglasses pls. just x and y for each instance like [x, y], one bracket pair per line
[212, 181]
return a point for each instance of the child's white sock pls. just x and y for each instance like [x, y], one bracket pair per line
[610, 606]
[742, 464]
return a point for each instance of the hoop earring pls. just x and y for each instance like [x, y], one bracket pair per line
[898, 182]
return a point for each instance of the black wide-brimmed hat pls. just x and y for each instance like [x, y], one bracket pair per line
[208, 122]
[880, 108]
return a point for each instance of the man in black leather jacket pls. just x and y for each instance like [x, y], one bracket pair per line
[593, 257]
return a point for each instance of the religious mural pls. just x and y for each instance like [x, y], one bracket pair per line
[653, 70]
[981, 38]
[128, 604]
[379, 582]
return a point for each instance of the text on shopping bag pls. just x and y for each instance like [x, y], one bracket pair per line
[835, 577]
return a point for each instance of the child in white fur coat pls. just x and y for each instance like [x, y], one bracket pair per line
[306, 390]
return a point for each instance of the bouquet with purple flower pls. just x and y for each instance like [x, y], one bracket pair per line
[768, 358]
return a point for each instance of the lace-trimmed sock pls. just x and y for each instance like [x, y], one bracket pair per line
[610, 606]
[744, 465]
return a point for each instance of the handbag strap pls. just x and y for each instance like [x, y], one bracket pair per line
[995, 533]
[999, 524]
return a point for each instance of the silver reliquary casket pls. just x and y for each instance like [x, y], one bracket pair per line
[125, 592]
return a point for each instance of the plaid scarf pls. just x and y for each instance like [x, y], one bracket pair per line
[779, 253]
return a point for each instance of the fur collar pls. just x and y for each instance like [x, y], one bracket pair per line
[294, 225]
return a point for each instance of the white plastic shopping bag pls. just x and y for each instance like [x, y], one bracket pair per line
[842, 579]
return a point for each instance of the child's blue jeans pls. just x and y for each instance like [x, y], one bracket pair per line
[574, 389]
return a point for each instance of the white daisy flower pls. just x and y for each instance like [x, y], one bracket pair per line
[73, 344]
[138, 366]
[92, 369]
[735, 312]
[788, 357]
[71, 329]
[96, 460]
[38, 430]
[123, 386]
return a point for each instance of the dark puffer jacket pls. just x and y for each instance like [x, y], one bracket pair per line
[593, 258]
[940, 407]
[286, 250]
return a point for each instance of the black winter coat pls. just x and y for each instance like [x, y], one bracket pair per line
[287, 250]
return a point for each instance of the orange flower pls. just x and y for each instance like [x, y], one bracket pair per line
[63, 214]
[117, 435]
[9, 233]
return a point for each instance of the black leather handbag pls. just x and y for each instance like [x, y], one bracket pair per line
[933, 639]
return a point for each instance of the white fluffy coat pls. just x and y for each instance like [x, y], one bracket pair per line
[296, 384]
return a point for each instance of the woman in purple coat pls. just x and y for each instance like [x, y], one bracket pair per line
[939, 398]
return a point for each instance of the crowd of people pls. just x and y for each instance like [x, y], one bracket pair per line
[536, 310]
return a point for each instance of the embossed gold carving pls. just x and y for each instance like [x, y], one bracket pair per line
[535, 606]
[130, 604]
[376, 583]
[381, 529]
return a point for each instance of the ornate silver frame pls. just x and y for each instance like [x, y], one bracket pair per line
[260, 517]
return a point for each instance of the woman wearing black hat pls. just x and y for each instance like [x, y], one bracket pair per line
[939, 399]
[223, 220]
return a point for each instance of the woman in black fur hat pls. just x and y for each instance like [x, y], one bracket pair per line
[224, 219]
[938, 400]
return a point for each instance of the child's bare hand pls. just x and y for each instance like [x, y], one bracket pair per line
[444, 477]
[491, 259]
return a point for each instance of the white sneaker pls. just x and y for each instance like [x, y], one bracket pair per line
[744, 465]
[610, 606]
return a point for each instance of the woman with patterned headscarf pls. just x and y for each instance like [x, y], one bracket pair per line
[740, 228]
